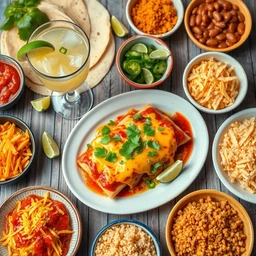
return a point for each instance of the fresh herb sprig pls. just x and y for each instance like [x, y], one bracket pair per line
[25, 15]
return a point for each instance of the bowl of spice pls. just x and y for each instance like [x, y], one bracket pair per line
[12, 82]
[160, 18]
[215, 82]
[234, 154]
[17, 149]
[125, 237]
[144, 61]
[209, 222]
[218, 25]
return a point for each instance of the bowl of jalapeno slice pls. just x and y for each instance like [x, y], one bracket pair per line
[144, 61]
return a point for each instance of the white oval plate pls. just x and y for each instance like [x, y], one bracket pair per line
[84, 131]
[235, 188]
[9, 204]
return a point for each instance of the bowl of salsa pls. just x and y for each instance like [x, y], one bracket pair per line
[12, 82]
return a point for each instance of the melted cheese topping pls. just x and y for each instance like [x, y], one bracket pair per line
[33, 219]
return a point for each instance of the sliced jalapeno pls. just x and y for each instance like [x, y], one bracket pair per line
[160, 67]
[133, 67]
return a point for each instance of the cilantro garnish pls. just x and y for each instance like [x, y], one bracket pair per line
[117, 137]
[111, 157]
[153, 144]
[160, 128]
[152, 153]
[137, 116]
[105, 140]
[148, 121]
[100, 152]
[111, 122]
[105, 130]
[148, 130]
[25, 15]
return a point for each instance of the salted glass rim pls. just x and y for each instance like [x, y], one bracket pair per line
[48, 24]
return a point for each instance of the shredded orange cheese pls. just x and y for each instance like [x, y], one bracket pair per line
[154, 16]
[213, 84]
[15, 151]
[238, 153]
[33, 219]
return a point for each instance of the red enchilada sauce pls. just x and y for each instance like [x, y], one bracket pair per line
[9, 82]
[55, 218]
[183, 153]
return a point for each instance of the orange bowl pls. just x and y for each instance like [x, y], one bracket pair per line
[216, 196]
[248, 25]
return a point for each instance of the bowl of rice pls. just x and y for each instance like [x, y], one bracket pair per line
[215, 82]
[164, 17]
[234, 154]
[125, 237]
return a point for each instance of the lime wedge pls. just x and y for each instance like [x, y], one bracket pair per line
[139, 47]
[171, 172]
[41, 104]
[148, 76]
[118, 27]
[159, 54]
[50, 146]
[34, 46]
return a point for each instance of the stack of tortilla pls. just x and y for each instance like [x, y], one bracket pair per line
[92, 17]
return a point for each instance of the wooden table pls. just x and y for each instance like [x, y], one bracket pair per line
[48, 172]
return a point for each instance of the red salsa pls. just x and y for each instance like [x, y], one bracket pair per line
[9, 82]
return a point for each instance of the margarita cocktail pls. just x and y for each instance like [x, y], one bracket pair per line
[65, 68]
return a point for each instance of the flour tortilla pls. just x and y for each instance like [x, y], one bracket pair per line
[77, 11]
[100, 30]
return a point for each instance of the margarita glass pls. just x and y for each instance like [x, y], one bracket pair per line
[65, 69]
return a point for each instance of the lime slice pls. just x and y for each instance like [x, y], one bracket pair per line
[118, 27]
[139, 47]
[171, 172]
[50, 146]
[41, 104]
[159, 54]
[34, 46]
[148, 76]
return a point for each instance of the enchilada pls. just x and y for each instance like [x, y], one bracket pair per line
[136, 144]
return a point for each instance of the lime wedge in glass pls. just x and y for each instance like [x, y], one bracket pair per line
[50, 146]
[41, 104]
[118, 27]
[148, 76]
[171, 172]
[159, 54]
[34, 46]
[139, 47]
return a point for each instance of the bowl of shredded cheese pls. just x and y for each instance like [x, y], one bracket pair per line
[215, 82]
[234, 154]
[125, 237]
[17, 149]
[160, 18]
[207, 221]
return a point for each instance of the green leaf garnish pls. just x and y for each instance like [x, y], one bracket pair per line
[153, 144]
[105, 130]
[148, 121]
[117, 137]
[105, 140]
[152, 153]
[25, 15]
[100, 152]
[160, 128]
[137, 116]
[111, 157]
[111, 122]
[148, 130]
[154, 167]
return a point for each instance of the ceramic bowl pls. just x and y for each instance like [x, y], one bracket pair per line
[75, 219]
[23, 126]
[13, 99]
[180, 15]
[235, 187]
[231, 62]
[242, 8]
[147, 40]
[215, 196]
[116, 224]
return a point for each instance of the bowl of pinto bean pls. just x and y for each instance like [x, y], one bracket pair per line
[218, 25]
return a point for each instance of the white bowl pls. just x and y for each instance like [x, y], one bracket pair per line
[235, 188]
[144, 228]
[223, 57]
[180, 13]
[75, 220]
